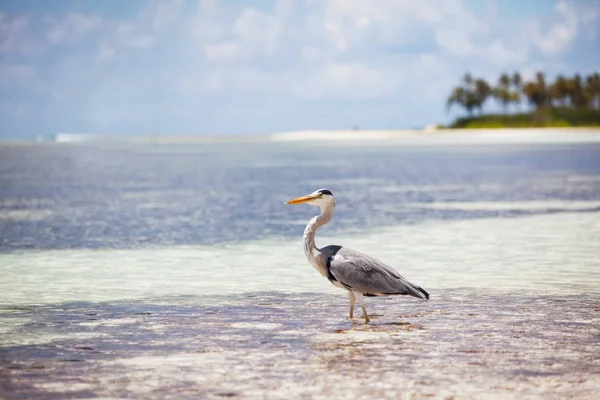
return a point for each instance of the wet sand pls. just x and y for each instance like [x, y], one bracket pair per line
[461, 344]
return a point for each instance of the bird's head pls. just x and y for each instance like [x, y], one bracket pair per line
[321, 198]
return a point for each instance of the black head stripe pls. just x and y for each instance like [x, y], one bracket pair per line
[325, 191]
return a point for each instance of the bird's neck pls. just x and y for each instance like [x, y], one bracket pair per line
[311, 251]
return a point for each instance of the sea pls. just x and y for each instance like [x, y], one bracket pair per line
[176, 271]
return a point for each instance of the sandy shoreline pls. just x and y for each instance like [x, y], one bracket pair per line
[441, 136]
[405, 136]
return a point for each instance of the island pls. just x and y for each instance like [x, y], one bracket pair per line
[566, 102]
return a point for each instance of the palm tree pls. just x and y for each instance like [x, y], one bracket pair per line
[502, 91]
[468, 79]
[471, 94]
[593, 89]
[542, 90]
[458, 97]
[535, 94]
[470, 102]
[482, 93]
[536, 91]
[530, 91]
[517, 83]
[574, 92]
[577, 93]
[558, 91]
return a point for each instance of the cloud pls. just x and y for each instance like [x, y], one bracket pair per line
[133, 35]
[169, 57]
[397, 23]
[165, 13]
[73, 26]
[560, 35]
[140, 33]
[106, 53]
[497, 51]
[244, 36]
[14, 36]
[350, 80]
[333, 49]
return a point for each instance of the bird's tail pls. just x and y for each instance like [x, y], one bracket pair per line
[420, 289]
[419, 292]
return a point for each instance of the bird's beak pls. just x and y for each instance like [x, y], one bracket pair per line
[303, 199]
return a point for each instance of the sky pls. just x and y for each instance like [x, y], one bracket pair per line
[159, 67]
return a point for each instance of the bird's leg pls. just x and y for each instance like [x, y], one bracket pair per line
[361, 300]
[367, 320]
[352, 302]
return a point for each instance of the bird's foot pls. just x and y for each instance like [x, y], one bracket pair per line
[367, 319]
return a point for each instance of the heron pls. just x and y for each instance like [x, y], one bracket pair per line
[360, 274]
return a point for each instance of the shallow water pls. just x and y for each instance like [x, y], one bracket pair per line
[550, 253]
[272, 345]
[146, 279]
[61, 197]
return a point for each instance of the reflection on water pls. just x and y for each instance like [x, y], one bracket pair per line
[123, 197]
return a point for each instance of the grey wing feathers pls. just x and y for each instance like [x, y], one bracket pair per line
[365, 274]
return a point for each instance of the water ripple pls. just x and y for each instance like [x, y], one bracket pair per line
[270, 345]
[86, 196]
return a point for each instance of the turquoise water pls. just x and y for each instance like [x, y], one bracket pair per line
[177, 272]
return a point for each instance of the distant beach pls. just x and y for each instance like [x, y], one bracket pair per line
[429, 135]
[451, 136]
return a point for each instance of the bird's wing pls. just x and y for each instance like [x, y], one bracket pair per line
[365, 274]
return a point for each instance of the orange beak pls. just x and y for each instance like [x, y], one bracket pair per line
[303, 199]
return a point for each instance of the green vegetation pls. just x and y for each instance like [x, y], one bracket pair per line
[565, 102]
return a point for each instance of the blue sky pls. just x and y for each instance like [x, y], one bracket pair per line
[241, 67]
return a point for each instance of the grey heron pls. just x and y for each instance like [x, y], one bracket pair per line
[361, 275]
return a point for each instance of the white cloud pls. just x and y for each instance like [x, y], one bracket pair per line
[334, 49]
[322, 51]
[337, 48]
[13, 34]
[106, 53]
[455, 41]
[589, 18]
[166, 13]
[141, 33]
[350, 80]
[363, 23]
[223, 51]
[72, 26]
[209, 24]
[560, 36]
[133, 35]
[294, 50]
[251, 33]
[499, 52]
[258, 30]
